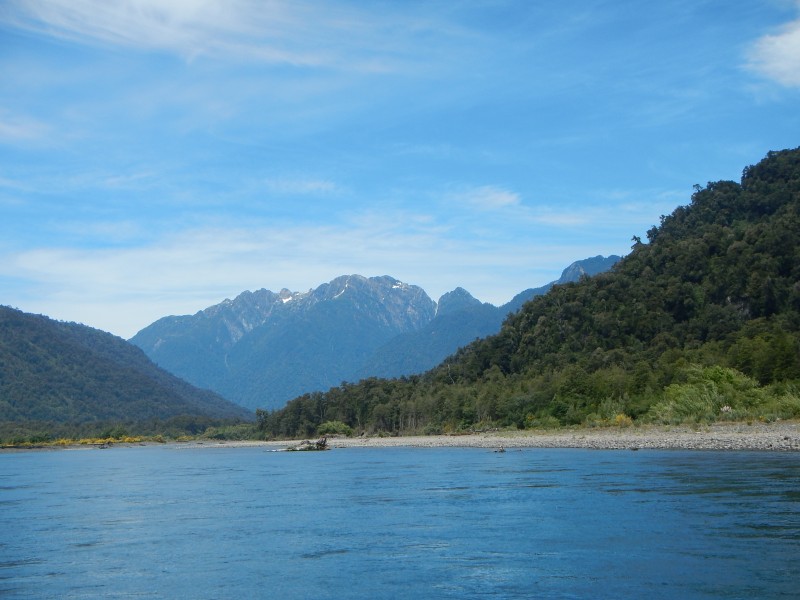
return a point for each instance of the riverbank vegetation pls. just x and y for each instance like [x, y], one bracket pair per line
[184, 427]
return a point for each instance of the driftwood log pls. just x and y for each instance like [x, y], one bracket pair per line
[307, 446]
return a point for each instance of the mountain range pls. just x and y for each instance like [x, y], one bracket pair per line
[263, 348]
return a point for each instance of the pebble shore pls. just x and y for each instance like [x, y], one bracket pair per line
[782, 436]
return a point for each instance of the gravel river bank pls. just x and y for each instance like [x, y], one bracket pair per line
[781, 436]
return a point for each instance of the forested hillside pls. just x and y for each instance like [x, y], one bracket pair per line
[68, 379]
[701, 322]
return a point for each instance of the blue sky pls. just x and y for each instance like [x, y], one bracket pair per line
[159, 157]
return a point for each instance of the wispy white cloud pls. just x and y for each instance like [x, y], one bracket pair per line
[16, 185]
[300, 186]
[79, 181]
[488, 197]
[777, 56]
[185, 27]
[15, 128]
[560, 218]
[102, 232]
[298, 33]
[128, 180]
[251, 69]
[604, 209]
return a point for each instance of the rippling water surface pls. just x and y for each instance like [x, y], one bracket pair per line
[172, 522]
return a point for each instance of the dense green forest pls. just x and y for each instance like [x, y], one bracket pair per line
[699, 323]
[68, 380]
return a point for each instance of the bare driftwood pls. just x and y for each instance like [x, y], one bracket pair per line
[307, 446]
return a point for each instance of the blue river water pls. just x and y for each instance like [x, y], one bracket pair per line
[173, 522]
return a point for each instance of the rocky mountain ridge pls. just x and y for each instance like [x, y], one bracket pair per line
[262, 348]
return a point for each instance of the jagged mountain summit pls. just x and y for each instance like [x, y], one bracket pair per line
[461, 319]
[263, 348]
[457, 300]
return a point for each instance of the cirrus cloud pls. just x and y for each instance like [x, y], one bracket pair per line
[490, 197]
[15, 128]
[280, 32]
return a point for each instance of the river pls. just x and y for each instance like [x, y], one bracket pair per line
[173, 522]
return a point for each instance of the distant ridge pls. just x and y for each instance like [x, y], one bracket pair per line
[263, 348]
